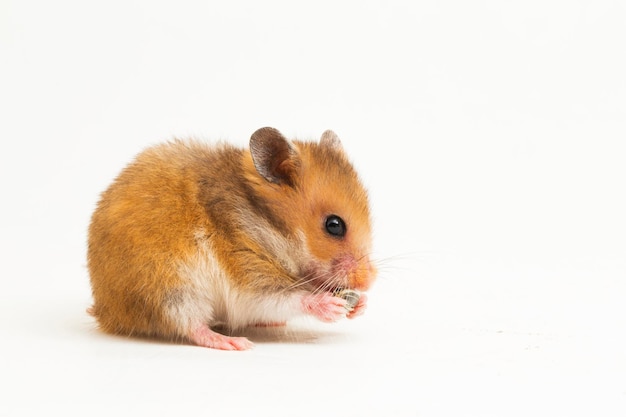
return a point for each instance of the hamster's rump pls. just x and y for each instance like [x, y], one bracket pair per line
[192, 235]
[144, 225]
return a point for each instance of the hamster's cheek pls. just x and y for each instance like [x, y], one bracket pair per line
[318, 275]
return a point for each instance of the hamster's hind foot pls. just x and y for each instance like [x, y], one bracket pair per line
[204, 336]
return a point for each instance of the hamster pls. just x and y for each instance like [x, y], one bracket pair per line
[192, 238]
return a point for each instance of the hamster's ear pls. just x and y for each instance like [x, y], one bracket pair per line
[274, 157]
[330, 138]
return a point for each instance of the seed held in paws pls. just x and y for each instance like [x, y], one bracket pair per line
[351, 297]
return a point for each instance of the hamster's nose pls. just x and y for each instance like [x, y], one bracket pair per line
[363, 274]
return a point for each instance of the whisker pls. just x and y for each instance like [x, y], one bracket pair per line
[326, 282]
[409, 256]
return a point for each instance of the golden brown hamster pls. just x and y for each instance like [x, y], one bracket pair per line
[191, 236]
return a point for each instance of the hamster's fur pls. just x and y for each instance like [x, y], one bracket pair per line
[191, 236]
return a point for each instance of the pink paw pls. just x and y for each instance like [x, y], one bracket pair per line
[324, 306]
[359, 308]
[204, 336]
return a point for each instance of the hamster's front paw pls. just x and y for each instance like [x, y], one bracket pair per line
[325, 306]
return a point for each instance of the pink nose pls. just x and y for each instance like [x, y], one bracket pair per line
[361, 274]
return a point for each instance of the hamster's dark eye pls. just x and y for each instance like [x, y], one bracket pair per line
[335, 226]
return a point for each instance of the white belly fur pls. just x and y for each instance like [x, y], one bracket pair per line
[208, 298]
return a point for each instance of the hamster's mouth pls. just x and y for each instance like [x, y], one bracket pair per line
[342, 273]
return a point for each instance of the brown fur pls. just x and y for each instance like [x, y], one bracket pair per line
[147, 222]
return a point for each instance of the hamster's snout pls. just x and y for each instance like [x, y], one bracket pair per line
[360, 272]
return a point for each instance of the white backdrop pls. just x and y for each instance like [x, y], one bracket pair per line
[490, 134]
